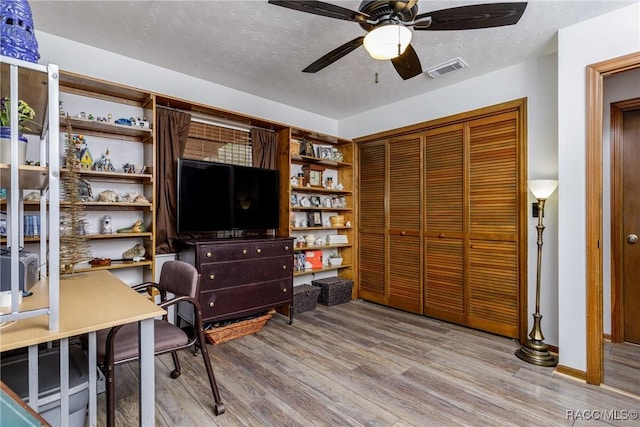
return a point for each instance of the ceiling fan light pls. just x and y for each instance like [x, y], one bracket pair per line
[382, 42]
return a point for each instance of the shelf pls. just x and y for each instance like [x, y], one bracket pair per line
[319, 190]
[319, 270]
[117, 206]
[146, 234]
[30, 239]
[113, 176]
[29, 205]
[30, 177]
[109, 129]
[321, 247]
[319, 228]
[309, 159]
[116, 265]
[301, 209]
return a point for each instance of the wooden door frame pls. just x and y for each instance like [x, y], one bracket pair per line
[617, 239]
[594, 107]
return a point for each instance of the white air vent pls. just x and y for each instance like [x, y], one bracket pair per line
[447, 67]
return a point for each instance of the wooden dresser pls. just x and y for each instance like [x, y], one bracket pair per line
[240, 277]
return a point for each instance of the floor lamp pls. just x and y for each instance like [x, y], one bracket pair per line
[535, 351]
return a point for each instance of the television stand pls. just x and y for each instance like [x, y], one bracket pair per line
[240, 277]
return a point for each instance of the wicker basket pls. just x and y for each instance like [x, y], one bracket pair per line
[294, 148]
[337, 220]
[305, 298]
[236, 330]
[334, 290]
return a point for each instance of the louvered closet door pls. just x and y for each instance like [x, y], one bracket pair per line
[405, 257]
[371, 222]
[444, 213]
[493, 225]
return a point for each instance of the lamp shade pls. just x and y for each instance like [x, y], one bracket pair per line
[382, 42]
[542, 188]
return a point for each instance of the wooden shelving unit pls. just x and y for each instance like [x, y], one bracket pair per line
[81, 94]
[293, 215]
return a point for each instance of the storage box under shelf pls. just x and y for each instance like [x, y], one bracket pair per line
[334, 290]
[305, 298]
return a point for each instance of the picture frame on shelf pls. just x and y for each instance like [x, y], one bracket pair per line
[315, 201]
[294, 199]
[315, 219]
[338, 202]
[305, 202]
[306, 148]
[326, 202]
[325, 153]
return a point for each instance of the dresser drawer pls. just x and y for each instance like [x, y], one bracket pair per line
[253, 249]
[243, 300]
[229, 274]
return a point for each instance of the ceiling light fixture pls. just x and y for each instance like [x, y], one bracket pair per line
[387, 41]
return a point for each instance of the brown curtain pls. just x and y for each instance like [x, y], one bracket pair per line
[264, 148]
[173, 130]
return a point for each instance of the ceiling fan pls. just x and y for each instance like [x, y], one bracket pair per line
[387, 24]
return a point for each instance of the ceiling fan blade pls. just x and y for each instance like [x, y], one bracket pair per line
[334, 55]
[323, 9]
[408, 64]
[471, 17]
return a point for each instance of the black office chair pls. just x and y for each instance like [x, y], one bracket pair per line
[120, 344]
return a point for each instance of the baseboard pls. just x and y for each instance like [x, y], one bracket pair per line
[572, 372]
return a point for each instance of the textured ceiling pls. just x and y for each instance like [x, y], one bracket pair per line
[261, 49]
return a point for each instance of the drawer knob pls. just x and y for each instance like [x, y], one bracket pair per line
[211, 304]
[441, 235]
[212, 276]
[403, 233]
[244, 252]
[259, 250]
[209, 254]
[284, 290]
[284, 267]
[286, 248]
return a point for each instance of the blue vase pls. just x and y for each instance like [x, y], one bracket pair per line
[5, 146]
[17, 37]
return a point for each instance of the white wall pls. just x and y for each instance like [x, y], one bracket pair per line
[536, 80]
[618, 87]
[605, 37]
[90, 61]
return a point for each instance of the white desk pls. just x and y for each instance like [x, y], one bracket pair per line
[96, 300]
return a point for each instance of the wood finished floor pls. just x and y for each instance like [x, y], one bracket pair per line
[361, 364]
[622, 366]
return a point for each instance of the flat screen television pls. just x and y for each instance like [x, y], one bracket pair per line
[220, 197]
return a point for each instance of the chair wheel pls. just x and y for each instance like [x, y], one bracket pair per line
[219, 408]
[175, 374]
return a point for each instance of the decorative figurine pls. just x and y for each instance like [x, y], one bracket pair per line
[329, 183]
[109, 118]
[104, 164]
[84, 191]
[61, 107]
[137, 227]
[86, 159]
[108, 196]
[123, 122]
[106, 225]
[136, 253]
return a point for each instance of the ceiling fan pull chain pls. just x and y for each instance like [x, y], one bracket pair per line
[399, 48]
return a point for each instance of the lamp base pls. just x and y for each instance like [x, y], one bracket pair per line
[536, 353]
